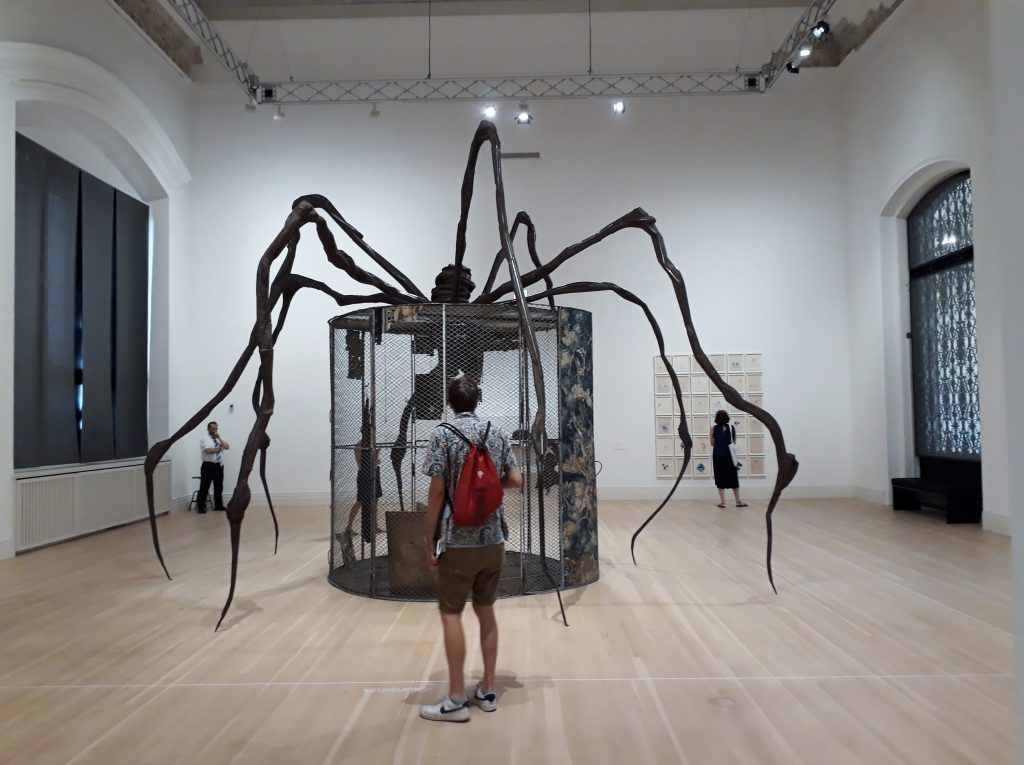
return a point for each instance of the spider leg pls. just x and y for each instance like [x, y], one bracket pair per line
[241, 495]
[639, 219]
[684, 432]
[531, 244]
[486, 132]
[287, 236]
[323, 203]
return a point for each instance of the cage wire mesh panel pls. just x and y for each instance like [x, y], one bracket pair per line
[389, 369]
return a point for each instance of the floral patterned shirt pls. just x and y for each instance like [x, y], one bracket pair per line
[446, 447]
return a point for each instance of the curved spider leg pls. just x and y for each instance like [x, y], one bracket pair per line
[341, 259]
[684, 431]
[284, 270]
[531, 244]
[287, 236]
[241, 495]
[640, 219]
[323, 203]
[486, 132]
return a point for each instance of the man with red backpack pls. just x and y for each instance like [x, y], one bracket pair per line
[469, 462]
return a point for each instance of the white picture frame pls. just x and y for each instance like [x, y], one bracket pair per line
[663, 405]
[736, 363]
[665, 446]
[665, 467]
[659, 366]
[663, 425]
[754, 362]
[699, 384]
[754, 383]
[662, 385]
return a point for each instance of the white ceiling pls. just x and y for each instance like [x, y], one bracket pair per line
[506, 45]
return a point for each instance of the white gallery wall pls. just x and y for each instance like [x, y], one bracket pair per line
[93, 90]
[917, 107]
[746, 192]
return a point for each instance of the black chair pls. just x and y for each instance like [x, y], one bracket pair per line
[195, 495]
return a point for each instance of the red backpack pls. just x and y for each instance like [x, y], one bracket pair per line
[478, 493]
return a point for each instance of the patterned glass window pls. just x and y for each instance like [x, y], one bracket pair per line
[942, 314]
[943, 222]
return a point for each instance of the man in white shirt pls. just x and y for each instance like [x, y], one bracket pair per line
[211, 447]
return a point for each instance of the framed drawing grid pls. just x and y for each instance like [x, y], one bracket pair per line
[701, 398]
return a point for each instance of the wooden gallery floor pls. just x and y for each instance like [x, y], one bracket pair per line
[890, 642]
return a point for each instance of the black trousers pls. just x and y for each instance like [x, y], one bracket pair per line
[211, 472]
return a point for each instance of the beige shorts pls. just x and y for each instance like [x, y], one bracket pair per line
[463, 570]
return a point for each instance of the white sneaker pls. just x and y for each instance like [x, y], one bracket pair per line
[488, 702]
[446, 710]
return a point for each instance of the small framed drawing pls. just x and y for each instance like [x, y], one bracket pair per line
[718, 361]
[663, 385]
[717, 402]
[756, 467]
[736, 362]
[699, 384]
[700, 424]
[665, 467]
[684, 383]
[699, 404]
[736, 381]
[701, 468]
[755, 427]
[675, 403]
[689, 468]
[739, 421]
[659, 366]
[680, 451]
[754, 383]
[755, 444]
[663, 404]
[666, 446]
[702, 446]
[695, 366]
[663, 426]
[756, 399]
[741, 445]
[754, 362]
[681, 364]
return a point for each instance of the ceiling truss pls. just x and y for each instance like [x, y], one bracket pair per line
[502, 88]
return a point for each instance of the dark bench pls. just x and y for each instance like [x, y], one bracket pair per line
[953, 486]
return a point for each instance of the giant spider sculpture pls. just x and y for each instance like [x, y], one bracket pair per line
[453, 285]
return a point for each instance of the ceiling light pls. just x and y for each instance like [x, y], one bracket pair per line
[819, 30]
[523, 116]
[793, 68]
[619, 107]
[279, 114]
[805, 52]
[490, 111]
[374, 111]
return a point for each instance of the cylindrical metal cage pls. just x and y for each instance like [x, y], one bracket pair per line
[389, 368]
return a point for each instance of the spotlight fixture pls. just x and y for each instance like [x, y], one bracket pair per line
[490, 111]
[279, 114]
[374, 111]
[819, 30]
[523, 116]
[619, 107]
[793, 68]
[805, 51]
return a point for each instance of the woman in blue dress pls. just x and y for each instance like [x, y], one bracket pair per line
[726, 476]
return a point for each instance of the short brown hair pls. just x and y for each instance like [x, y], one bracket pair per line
[721, 417]
[463, 394]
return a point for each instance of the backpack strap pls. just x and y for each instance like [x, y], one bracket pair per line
[459, 433]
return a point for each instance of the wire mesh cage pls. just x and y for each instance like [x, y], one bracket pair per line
[389, 369]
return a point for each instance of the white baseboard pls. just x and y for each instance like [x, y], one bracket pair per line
[997, 524]
[259, 499]
[706, 489]
[6, 548]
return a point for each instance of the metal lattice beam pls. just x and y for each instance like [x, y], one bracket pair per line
[208, 35]
[798, 36]
[500, 88]
[511, 88]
